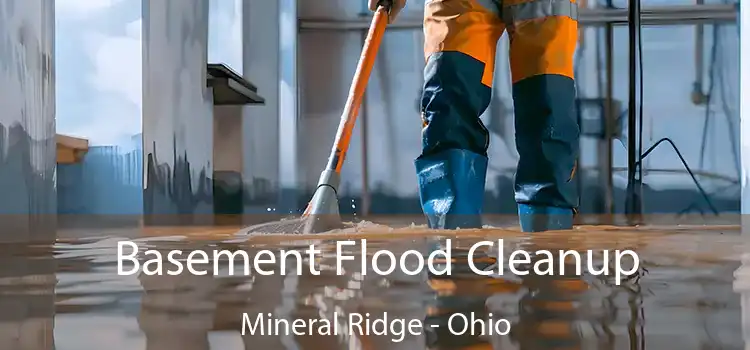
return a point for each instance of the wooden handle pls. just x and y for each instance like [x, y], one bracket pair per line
[357, 89]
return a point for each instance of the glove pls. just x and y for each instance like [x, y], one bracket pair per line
[396, 7]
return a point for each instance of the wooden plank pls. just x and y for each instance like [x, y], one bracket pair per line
[70, 150]
[72, 142]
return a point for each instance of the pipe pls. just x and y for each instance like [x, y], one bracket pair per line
[609, 120]
[365, 210]
[633, 197]
[652, 15]
[364, 14]
[363, 130]
[698, 96]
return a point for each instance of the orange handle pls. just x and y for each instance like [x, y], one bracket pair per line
[357, 89]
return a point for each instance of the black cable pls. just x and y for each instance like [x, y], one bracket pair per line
[684, 163]
[634, 197]
[640, 90]
[720, 190]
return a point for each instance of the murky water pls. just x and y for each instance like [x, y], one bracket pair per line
[70, 297]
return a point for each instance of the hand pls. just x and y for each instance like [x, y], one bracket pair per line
[396, 7]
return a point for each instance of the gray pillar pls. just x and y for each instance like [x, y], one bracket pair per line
[270, 130]
[177, 113]
[27, 121]
[260, 46]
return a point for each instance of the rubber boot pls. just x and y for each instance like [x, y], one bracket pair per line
[534, 218]
[451, 188]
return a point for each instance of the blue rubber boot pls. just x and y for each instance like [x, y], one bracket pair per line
[535, 218]
[451, 188]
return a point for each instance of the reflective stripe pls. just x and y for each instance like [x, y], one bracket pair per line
[539, 9]
[492, 6]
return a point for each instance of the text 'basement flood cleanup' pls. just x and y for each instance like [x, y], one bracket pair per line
[382, 262]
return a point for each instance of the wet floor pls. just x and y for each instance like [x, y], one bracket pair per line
[683, 295]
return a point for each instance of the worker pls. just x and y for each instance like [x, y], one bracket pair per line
[460, 44]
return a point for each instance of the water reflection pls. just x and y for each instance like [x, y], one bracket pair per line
[683, 299]
[177, 311]
[550, 309]
[27, 298]
[742, 287]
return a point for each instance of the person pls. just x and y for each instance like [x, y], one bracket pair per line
[460, 44]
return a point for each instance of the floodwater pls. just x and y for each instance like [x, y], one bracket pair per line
[684, 295]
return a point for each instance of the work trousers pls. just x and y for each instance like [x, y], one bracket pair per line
[460, 44]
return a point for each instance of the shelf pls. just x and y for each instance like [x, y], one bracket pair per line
[70, 150]
[229, 88]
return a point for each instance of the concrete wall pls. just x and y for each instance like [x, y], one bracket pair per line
[27, 120]
[177, 110]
